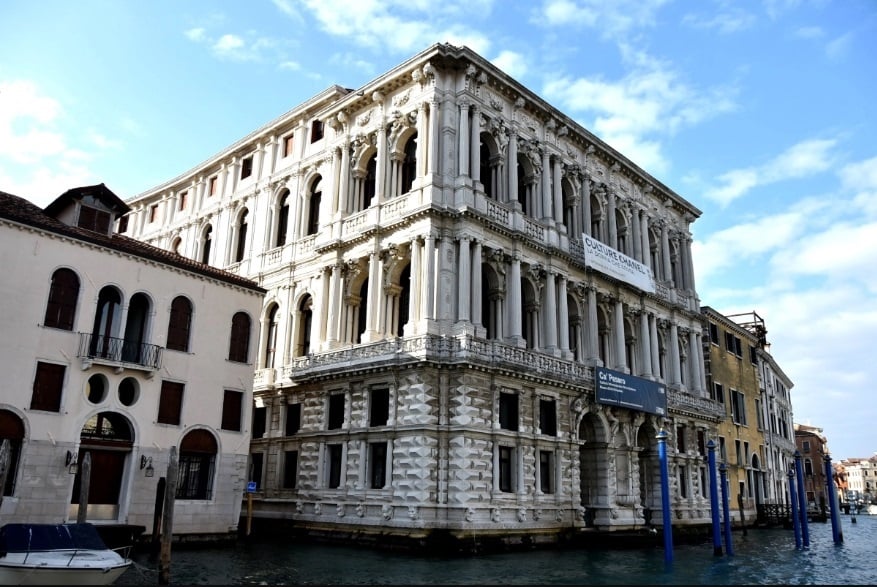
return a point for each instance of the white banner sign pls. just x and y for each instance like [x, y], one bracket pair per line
[618, 265]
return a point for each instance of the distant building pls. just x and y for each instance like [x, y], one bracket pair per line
[113, 352]
[458, 274]
[862, 477]
[812, 447]
[732, 376]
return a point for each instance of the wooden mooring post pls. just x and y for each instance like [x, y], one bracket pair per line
[164, 570]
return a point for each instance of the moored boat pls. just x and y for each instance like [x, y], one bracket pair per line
[58, 554]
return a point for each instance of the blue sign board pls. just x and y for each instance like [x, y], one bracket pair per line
[615, 388]
[251, 486]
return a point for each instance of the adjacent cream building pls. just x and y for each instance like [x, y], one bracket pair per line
[113, 352]
[449, 261]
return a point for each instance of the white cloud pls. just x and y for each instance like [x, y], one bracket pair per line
[801, 160]
[512, 63]
[729, 19]
[399, 26]
[613, 20]
[631, 113]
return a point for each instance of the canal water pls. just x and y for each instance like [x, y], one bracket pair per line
[760, 557]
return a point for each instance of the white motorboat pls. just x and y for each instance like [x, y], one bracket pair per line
[58, 554]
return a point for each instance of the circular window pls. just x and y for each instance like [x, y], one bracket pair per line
[129, 391]
[96, 388]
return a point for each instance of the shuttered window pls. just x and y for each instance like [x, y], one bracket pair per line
[47, 386]
[63, 297]
[179, 324]
[232, 402]
[170, 403]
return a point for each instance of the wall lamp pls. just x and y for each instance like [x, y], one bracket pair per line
[146, 463]
[71, 463]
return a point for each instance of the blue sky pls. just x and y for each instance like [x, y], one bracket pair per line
[761, 114]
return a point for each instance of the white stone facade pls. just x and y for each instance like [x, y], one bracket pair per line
[430, 332]
[112, 373]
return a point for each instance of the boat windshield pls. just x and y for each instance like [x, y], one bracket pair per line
[33, 537]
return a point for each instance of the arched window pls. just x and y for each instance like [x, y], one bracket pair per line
[409, 165]
[282, 220]
[136, 329]
[241, 244]
[271, 336]
[238, 348]
[196, 465]
[180, 324]
[106, 323]
[404, 300]
[369, 181]
[316, 195]
[12, 433]
[206, 241]
[305, 318]
[63, 296]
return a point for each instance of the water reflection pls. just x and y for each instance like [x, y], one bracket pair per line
[763, 557]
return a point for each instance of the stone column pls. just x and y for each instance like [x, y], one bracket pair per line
[513, 307]
[549, 317]
[547, 214]
[512, 192]
[344, 173]
[476, 284]
[318, 311]
[694, 360]
[665, 254]
[618, 327]
[381, 160]
[675, 376]
[334, 305]
[610, 212]
[463, 138]
[422, 141]
[636, 249]
[434, 133]
[655, 345]
[593, 335]
[429, 278]
[586, 206]
[646, 247]
[563, 318]
[475, 145]
[558, 194]
[416, 281]
[373, 302]
[645, 344]
[464, 298]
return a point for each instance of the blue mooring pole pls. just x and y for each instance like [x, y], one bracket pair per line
[802, 499]
[714, 499]
[726, 510]
[836, 531]
[665, 496]
[793, 499]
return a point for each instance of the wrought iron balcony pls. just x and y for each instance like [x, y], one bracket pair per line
[119, 351]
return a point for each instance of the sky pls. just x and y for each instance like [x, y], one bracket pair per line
[759, 113]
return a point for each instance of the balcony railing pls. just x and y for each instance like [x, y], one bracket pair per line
[119, 350]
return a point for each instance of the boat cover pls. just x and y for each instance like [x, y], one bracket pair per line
[34, 537]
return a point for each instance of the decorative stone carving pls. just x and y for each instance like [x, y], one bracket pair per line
[495, 515]
[387, 511]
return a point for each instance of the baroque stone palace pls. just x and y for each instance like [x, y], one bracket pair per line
[431, 332]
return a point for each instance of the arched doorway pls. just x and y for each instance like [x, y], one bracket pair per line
[12, 431]
[108, 438]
